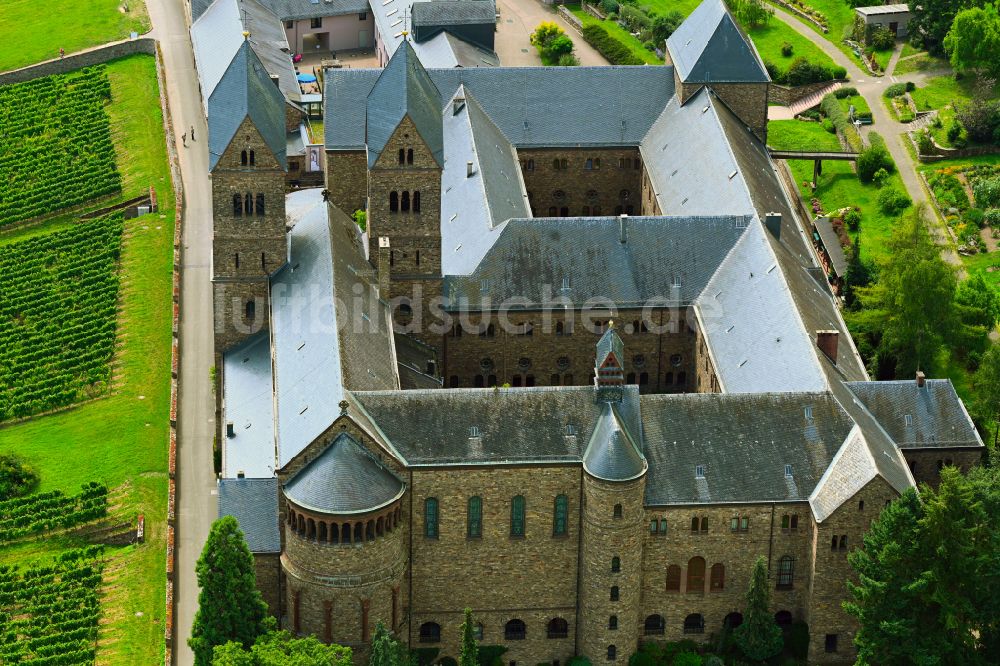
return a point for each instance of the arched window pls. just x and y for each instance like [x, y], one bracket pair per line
[555, 379]
[517, 516]
[409, 155]
[345, 533]
[251, 310]
[673, 578]
[430, 632]
[843, 542]
[558, 628]
[694, 624]
[248, 203]
[243, 158]
[310, 529]
[359, 532]
[669, 379]
[515, 630]
[616, 564]
[559, 514]
[614, 593]
[833, 542]
[393, 202]
[402, 155]
[783, 618]
[613, 622]
[786, 572]
[404, 204]
[617, 511]
[732, 620]
[553, 211]
[694, 524]
[237, 205]
[301, 526]
[475, 517]
[655, 625]
[612, 653]
[643, 378]
[717, 577]
[704, 523]
[681, 378]
[478, 381]
[431, 518]
[260, 205]
[321, 534]
[416, 201]
[555, 164]
[370, 530]
[696, 576]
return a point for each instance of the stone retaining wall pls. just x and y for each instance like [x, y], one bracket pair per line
[786, 96]
[73, 61]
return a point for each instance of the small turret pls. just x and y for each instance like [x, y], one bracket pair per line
[609, 369]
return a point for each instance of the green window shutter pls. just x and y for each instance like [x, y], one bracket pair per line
[517, 516]
[475, 520]
[559, 520]
[431, 517]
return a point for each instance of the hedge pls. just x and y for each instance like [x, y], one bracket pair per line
[831, 107]
[608, 46]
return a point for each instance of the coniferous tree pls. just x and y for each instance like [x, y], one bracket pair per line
[386, 650]
[759, 637]
[230, 607]
[470, 650]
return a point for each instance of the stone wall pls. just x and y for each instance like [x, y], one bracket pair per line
[748, 101]
[705, 380]
[347, 179]
[531, 578]
[925, 464]
[831, 570]
[788, 95]
[267, 568]
[566, 356]
[576, 190]
[73, 61]
[735, 551]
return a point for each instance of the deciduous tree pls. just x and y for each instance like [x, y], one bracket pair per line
[278, 648]
[973, 42]
[230, 607]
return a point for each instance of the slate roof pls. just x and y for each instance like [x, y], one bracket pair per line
[289, 10]
[345, 478]
[915, 417]
[663, 257]
[245, 90]
[743, 443]
[883, 9]
[453, 12]
[218, 34]
[254, 505]
[831, 242]
[249, 406]
[475, 426]
[610, 343]
[446, 50]
[709, 47]
[403, 89]
[532, 106]
[613, 452]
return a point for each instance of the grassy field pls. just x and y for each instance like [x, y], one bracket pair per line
[121, 440]
[31, 31]
[921, 63]
[838, 186]
[615, 30]
[839, 17]
[941, 93]
[910, 50]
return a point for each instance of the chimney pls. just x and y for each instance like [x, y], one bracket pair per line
[827, 343]
[469, 170]
[274, 80]
[241, 475]
[622, 228]
[773, 223]
[921, 379]
[230, 432]
[384, 264]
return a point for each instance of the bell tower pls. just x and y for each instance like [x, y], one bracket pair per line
[246, 138]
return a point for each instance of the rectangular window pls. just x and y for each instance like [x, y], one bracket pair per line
[517, 516]
[431, 518]
[362, 16]
[653, 526]
[289, 25]
[559, 518]
[316, 22]
[831, 643]
[589, 164]
[475, 520]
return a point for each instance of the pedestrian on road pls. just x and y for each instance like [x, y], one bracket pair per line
[184, 139]
[62, 52]
[192, 132]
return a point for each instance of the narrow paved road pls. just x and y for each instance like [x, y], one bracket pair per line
[196, 487]
[871, 88]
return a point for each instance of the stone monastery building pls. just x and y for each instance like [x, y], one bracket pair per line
[438, 412]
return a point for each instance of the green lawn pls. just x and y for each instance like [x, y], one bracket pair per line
[941, 92]
[121, 440]
[839, 17]
[921, 63]
[857, 101]
[838, 186]
[909, 50]
[31, 31]
[771, 37]
[615, 30]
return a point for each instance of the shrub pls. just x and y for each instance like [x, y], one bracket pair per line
[16, 477]
[787, 49]
[634, 18]
[844, 93]
[488, 654]
[798, 640]
[802, 72]
[812, 114]
[545, 33]
[360, 218]
[829, 126]
[880, 176]
[991, 218]
[831, 107]
[664, 25]
[892, 200]
[881, 39]
[839, 73]
[954, 131]
[609, 6]
[649, 45]
[987, 192]
[870, 160]
[895, 90]
[608, 46]
[687, 659]
[925, 145]
[568, 60]
[910, 86]
[852, 219]
[775, 73]
[447, 661]
[578, 661]
[974, 217]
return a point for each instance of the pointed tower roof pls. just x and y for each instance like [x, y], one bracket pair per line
[612, 454]
[345, 478]
[404, 89]
[245, 90]
[610, 343]
[709, 47]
